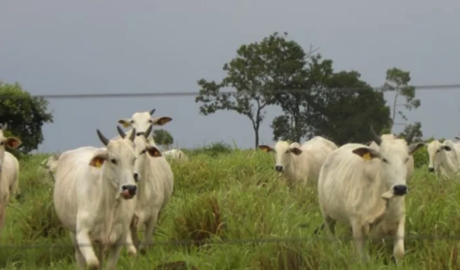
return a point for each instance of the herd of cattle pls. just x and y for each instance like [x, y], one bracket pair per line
[105, 195]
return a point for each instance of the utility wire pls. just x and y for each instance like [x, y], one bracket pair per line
[182, 94]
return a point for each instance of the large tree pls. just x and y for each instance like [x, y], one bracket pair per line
[24, 114]
[258, 70]
[343, 107]
[294, 96]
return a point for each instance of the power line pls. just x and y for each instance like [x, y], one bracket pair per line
[183, 94]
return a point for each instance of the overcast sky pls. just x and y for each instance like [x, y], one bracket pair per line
[70, 47]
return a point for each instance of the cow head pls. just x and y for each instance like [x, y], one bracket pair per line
[7, 142]
[283, 153]
[117, 162]
[141, 121]
[393, 154]
[142, 147]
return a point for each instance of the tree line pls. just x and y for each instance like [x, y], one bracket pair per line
[315, 98]
[276, 71]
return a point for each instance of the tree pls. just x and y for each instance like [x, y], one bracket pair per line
[344, 107]
[311, 71]
[24, 114]
[163, 138]
[256, 72]
[398, 81]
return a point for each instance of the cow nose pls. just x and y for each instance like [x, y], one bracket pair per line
[430, 169]
[136, 177]
[130, 188]
[278, 168]
[400, 190]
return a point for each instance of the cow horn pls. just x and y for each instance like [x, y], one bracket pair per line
[377, 138]
[103, 139]
[121, 132]
[133, 135]
[411, 134]
[152, 111]
[147, 133]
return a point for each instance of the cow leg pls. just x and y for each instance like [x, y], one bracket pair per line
[87, 250]
[148, 235]
[359, 239]
[132, 241]
[114, 255]
[398, 242]
[132, 237]
[81, 263]
[100, 254]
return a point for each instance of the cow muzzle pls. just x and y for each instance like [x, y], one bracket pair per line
[430, 169]
[278, 168]
[128, 191]
[400, 190]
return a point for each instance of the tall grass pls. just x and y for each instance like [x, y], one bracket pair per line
[230, 195]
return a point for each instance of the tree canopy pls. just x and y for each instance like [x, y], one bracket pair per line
[24, 114]
[163, 137]
[315, 99]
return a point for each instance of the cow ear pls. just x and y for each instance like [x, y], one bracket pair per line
[366, 153]
[265, 148]
[98, 160]
[153, 151]
[160, 121]
[296, 150]
[13, 142]
[414, 147]
[126, 123]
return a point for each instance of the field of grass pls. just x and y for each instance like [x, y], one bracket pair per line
[232, 196]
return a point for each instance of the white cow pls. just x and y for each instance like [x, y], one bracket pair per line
[176, 155]
[141, 122]
[9, 172]
[301, 164]
[155, 186]
[410, 163]
[92, 195]
[364, 188]
[47, 168]
[444, 158]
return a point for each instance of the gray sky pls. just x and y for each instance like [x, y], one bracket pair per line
[69, 47]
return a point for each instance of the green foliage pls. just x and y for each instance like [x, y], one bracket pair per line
[163, 137]
[234, 197]
[398, 81]
[344, 108]
[214, 149]
[256, 72]
[24, 114]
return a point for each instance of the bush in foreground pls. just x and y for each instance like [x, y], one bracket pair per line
[235, 205]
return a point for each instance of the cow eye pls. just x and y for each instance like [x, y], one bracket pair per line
[287, 151]
[150, 121]
[132, 121]
[114, 161]
[143, 151]
[385, 160]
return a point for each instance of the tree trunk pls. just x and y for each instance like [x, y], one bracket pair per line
[256, 133]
